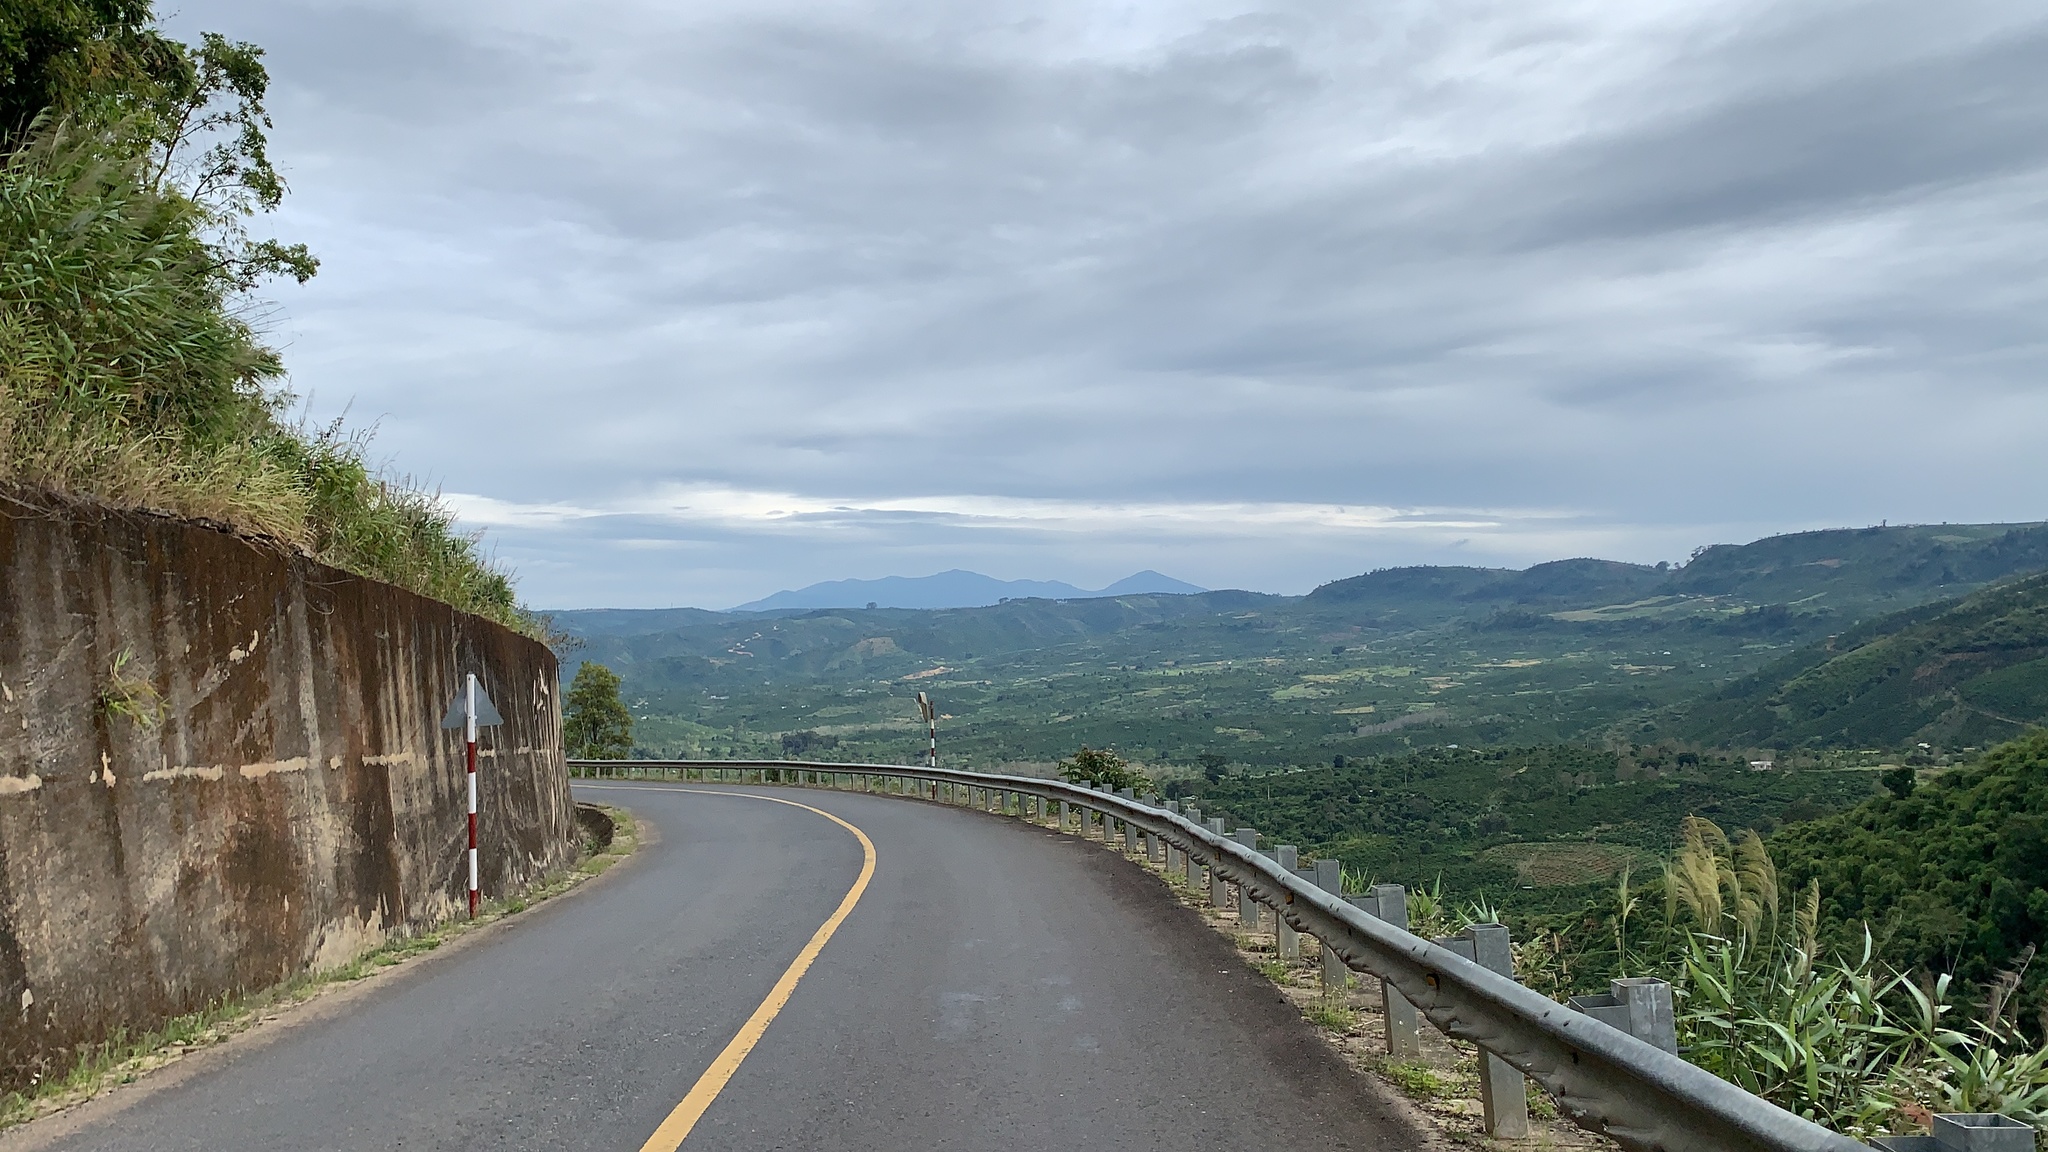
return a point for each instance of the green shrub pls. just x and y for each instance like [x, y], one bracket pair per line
[1104, 769]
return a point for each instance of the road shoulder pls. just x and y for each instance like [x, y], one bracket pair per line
[276, 1013]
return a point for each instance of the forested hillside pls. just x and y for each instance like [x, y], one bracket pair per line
[1951, 674]
[1951, 871]
[1489, 822]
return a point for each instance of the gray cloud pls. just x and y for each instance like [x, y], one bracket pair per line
[1608, 280]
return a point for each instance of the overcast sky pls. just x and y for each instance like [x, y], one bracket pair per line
[685, 303]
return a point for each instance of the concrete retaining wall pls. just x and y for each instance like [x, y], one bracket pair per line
[221, 765]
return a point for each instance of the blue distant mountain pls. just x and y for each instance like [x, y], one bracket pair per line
[956, 589]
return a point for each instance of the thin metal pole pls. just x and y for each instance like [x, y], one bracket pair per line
[469, 706]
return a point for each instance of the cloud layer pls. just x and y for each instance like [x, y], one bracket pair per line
[692, 302]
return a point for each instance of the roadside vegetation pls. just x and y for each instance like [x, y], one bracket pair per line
[595, 723]
[133, 368]
[1863, 969]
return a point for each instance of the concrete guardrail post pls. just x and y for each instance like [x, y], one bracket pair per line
[1191, 867]
[1638, 1005]
[1173, 863]
[1286, 941]
[1130, 832]
[1329, 876]
[1216, 881]
[1247, 908]
[1403, 1022]
[1066, 814]
[1155, 848]
[1965, 1132]
[1503, 1090]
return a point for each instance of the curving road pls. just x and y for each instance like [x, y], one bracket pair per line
[997, 987]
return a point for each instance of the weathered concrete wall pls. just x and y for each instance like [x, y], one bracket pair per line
[295, 800]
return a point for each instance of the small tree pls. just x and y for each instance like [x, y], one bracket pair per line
[1104, 769]
[596, 725]
[1213, 765]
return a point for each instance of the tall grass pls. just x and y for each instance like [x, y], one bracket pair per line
[1844, 1039]
[131, 375]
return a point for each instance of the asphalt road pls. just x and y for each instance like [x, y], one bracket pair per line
[998, 987]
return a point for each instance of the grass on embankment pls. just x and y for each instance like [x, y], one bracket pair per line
[131, 375]
[123, 1059]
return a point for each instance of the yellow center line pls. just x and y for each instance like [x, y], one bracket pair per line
[669, 1136]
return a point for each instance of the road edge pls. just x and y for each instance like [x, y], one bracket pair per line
[126, 1084]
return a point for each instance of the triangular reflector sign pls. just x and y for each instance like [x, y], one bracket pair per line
[486, 712]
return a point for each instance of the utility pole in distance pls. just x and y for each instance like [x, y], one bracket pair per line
[471, 710]
[931, 720]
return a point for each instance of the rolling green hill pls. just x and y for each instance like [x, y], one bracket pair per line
[1965, 672]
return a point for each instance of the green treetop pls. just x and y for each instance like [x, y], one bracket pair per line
[1104, 769]
[596, 725]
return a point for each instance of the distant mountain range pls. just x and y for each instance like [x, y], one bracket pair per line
[956, 589]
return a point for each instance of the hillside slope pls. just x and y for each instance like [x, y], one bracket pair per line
[1953, 673]
[1953, 876]
[1840, 574]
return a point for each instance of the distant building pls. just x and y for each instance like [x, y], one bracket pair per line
[1760, 765]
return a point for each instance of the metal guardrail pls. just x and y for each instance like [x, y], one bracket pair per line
[1603, 1079]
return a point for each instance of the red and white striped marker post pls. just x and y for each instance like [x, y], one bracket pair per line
[931, 719]
[471, 710]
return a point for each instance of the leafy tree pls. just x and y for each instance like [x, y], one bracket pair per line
[596, 725]
[1104, 769]
[66, 55]
[1213, 765]
[800, 745]
[1899, 780]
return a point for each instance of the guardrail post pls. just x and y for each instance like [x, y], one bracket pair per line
[1330, 878]
[1154, 846]
[1192, 867]
[1216, 882]
[1503, 1090]
[1130, 832]
[1066, 814]
[1247, 908]
[1286, 941]
[1638, 1005]
[1965, 1132]
[1173, 863]
[1403, 1022]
